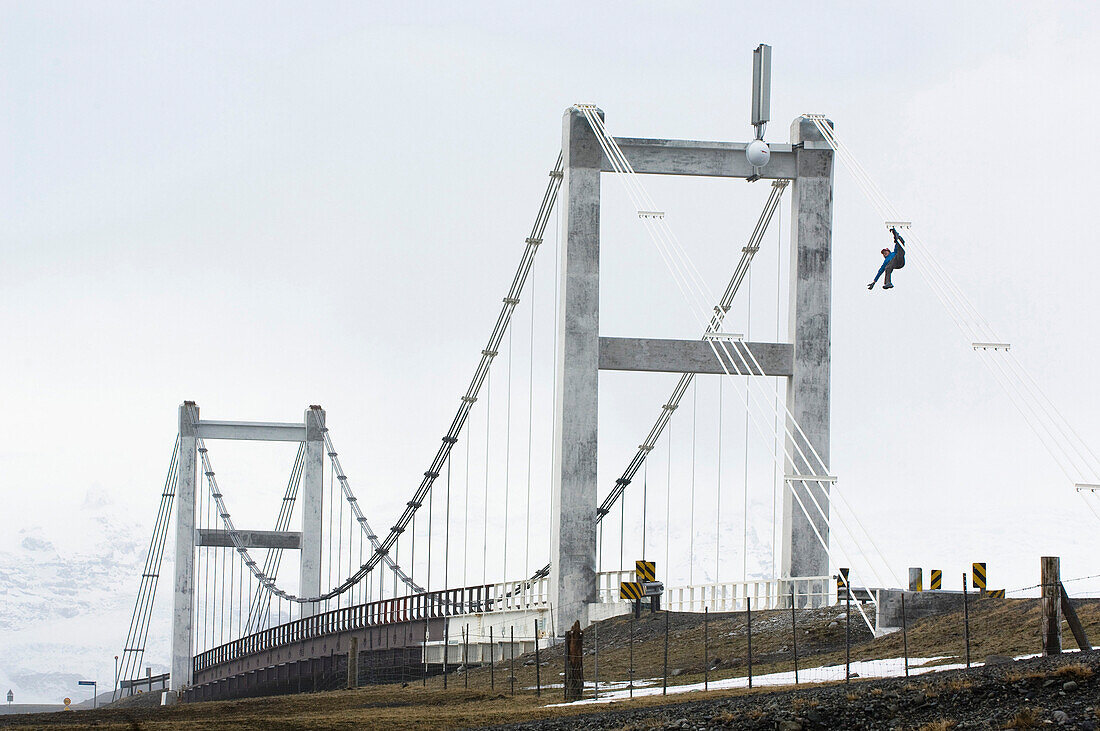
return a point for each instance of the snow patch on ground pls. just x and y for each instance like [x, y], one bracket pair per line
[892, 667]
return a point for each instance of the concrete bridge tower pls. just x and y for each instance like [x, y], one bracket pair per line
[191, 431]
[808, 162]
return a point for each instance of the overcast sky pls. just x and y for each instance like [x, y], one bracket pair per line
[262, 206]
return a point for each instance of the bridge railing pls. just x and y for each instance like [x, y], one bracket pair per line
[729, 596]
[523, 594]
[732, 596]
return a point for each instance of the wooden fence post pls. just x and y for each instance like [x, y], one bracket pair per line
[1073, 621]
[574, 663]
[1050, 628]
[353, 663]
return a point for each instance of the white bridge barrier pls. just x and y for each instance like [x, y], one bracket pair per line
[730, 596]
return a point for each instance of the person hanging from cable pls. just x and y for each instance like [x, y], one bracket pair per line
[893, 260]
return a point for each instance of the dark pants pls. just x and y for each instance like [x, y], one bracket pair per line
[896, 263]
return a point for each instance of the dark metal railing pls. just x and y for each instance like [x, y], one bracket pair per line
[428, 605]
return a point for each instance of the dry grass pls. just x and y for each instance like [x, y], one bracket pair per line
[1026, 717]
[640, 724]
[1075, 670]
[944, 724]
[957, 684]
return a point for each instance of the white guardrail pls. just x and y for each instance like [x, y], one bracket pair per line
[726, 596]
[729, 596]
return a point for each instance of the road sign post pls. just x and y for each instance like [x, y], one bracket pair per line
[91, 683]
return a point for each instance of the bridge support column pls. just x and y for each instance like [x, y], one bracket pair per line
[310, 494]
[810, 324]
[183, 588]
[573, 531]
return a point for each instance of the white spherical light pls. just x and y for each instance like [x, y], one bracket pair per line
[758, 153]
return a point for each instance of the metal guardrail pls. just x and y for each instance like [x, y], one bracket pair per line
[518, 595]
[129, 687]
[523, 594]
[729, 596]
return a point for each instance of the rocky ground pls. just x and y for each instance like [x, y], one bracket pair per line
[1062, 692]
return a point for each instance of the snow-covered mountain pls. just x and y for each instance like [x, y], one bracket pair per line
[66, 593]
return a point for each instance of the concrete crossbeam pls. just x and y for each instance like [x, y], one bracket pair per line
[249, 538]
[708, 159]
[693, 356]
[259, 431]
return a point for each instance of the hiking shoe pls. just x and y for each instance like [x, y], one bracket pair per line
[887, 286]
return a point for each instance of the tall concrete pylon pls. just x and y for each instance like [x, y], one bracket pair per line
[808, 162]
[188, 539]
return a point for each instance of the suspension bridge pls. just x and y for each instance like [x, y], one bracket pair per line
[369, 594]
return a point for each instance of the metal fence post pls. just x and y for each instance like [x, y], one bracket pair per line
[596, 644]
[966, 620]
[512, 658]
[706, 650]
[664, 676]
[631, 679]
[538, 666]
[794, 637]
[492, 661]
[748, 614]
[847, 631]
[446, 641]
[904, 635]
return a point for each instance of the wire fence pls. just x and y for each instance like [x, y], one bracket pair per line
[661, 652]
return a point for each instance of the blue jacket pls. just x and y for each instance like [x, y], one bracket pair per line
[889, 258]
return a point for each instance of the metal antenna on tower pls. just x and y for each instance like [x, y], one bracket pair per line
[758, 153]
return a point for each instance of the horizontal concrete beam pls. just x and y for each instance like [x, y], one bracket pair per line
[249, 538]
[690, 356]
[259, 431]
[693, 157]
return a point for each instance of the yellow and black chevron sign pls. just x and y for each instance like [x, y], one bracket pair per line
[996, 593]
[645, 570]
[978, 576]
[935, 579]
[632, 590]
[842, 582]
